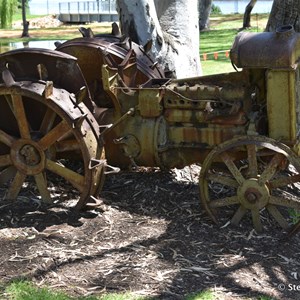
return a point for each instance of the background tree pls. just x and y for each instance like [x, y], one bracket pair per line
[247, 14]
[170, 30]
[204, 13]
[25, 32]
[284, 13]
[7, 8]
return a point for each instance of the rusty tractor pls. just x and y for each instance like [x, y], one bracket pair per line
[61, 110]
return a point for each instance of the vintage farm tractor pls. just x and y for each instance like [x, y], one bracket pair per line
[61, 110]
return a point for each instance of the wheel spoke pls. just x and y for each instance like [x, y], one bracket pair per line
[74, 178]
[294, 229]
[9, 102]
[37, 133]
[52, 136]
[232, 168]
[284, 181]
[20, 115]
[271, 168]
[41, 183]
[272, 209]
[16, 186]
[252, 160]
[48, 121]
[5, 160]
[239, 214]
[281, 201]
[224, 202]
[7, 174]
[255, 171]
[67, 145]
[222, 180]
[256, 219]
[6, 139]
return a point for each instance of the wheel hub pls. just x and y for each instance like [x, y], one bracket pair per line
[28, 157]
[253, 195]
[30, 154]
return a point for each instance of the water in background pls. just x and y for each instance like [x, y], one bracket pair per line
[31, 44]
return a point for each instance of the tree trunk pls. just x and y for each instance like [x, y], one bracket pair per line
[284, 13]
[25, 32]
[171, 25]
[247, 14]
[204, 13]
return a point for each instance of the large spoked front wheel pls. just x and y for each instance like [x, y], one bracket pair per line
[47, 136]
[254, 173]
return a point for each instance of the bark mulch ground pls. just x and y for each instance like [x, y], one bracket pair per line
[152, 238]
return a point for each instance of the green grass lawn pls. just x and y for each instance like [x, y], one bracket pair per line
[220, 37]
[24, 290]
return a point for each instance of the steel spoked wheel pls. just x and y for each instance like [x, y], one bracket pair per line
[250, 173]
[48, 138]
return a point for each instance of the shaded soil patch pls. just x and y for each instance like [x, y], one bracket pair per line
[152, 238]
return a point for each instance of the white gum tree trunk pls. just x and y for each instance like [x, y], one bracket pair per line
[171, 26]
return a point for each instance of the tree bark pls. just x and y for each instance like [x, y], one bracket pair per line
[247, 14]
[204, 13]
[25, 32]
[171, 25]
[284, 13]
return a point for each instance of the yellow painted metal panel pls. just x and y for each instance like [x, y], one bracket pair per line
[281, 99]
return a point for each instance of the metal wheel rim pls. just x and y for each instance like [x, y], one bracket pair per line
[74, 119]
[267, 185]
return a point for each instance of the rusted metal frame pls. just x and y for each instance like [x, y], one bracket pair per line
[88, 117]
[114, 125]
[121, 53]
[54, 63]
[128, 65]
[109, 81]
[112, 49]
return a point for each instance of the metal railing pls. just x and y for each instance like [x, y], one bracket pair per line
[88, 7]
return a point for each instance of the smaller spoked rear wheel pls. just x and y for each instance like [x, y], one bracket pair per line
[49, 141]
[249, 174]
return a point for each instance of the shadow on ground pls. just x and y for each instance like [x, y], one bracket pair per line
[153, 239]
